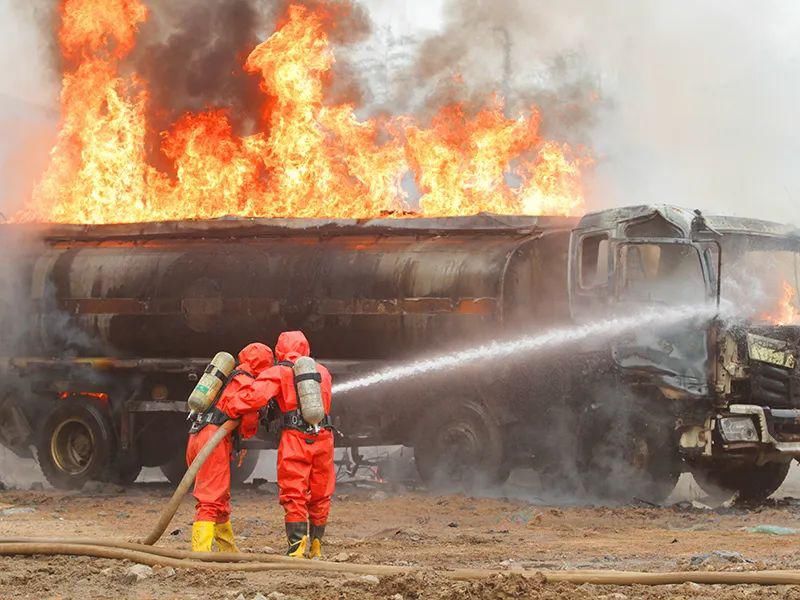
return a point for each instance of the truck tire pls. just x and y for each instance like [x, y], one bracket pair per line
[76, 444]
[175, 469]
[626, 454]
[753, 483]
[460, 449]
[126, 471]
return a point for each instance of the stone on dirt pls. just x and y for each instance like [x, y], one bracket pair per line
[371, 579]
[137, 573]
[341, 557]
[17, 510]
[718, 556]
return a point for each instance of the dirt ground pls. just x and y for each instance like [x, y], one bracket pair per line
[387, 524]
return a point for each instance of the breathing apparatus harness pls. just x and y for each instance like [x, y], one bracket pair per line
[214, 416]
[293, 419]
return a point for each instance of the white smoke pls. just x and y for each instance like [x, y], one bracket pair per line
[696, 101]
[28, 101]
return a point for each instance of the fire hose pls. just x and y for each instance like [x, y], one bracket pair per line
[147, 554]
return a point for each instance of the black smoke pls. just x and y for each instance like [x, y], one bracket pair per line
[191, 55]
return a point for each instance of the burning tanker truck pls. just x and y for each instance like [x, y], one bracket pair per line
[122, 320]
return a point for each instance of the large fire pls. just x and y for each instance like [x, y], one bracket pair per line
[309, 159]
[786, 311]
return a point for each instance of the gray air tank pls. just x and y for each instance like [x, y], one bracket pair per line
[373, 289]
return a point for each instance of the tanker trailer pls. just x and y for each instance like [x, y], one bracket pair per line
[122, 320]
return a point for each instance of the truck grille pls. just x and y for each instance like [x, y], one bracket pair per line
[773, 386]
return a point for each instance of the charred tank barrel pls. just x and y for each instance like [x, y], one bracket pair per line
[375, 289]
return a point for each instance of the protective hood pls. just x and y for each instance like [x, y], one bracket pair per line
[292, 345]
[255, 358]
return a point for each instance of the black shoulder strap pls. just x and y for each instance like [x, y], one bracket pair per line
[236, 372]
[230, 377]
[285, 363]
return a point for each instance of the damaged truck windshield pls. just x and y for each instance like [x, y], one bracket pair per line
[121, 319]
[759, 270]
[667, 273]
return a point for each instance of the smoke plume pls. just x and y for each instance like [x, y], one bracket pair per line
[693, 107]
[191, 53]
[686, 104]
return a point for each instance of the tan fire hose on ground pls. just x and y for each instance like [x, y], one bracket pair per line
[245, 563]
[147, 554]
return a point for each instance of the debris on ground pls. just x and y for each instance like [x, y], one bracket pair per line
[137, 573]
[772, 530]
[17, 510]
[718, 558]
[409, 529]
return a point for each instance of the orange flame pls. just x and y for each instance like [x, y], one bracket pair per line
[309, 160]
[786, 312]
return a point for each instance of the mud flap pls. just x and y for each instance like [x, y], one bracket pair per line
[15, 431]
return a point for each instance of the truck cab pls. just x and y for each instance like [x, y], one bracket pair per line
[726, 384]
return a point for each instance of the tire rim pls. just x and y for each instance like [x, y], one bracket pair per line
[459, 449]
[72, 446]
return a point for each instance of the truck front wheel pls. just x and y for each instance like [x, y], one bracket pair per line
[76, 444]
[460, 449]
[753, 483]
[627, 453]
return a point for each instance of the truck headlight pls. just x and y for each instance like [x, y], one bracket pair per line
[738, 429]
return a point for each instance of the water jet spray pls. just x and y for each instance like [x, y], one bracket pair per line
[530, 344]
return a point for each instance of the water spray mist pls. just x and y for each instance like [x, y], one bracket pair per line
[497, 349]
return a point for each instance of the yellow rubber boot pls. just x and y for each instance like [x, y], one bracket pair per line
[298, 549]
[202, 536]
[316, 532]
[316, 549]
[298, 539]
[223, 535]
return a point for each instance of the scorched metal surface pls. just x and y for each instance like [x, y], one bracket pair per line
[374, 289]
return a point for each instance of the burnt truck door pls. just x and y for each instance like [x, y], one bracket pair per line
[668, 273]
[610, 276]
[590, 269]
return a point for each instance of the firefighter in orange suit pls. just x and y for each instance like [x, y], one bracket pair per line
[212, 487]
[306, 477]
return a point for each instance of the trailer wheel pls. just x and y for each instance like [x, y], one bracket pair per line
[626, 453]
[753, 483]
[127, 470]
[175, 469]
[76, 444]
[461, 449]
